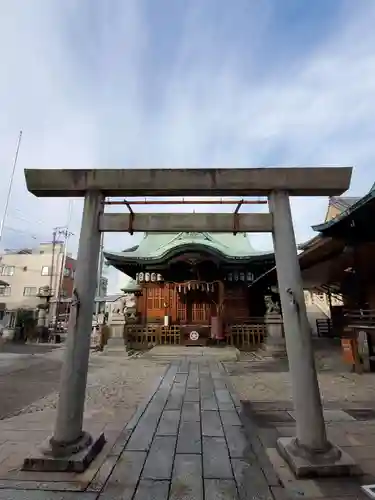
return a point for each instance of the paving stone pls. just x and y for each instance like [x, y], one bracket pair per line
[142, 436]
[67, 485]
[237, 442]
[180, 378]
[223, 395]
[124, 478]
[160, 458]
[226, 406]
[220, 489]
[192, 395]
[216, 464]
[279, 493]
[175, 402]
[211, 424]
[220, 384]
[169, 422]
[193, 381]
[208, 404]
[152, 490]
[250, 480]
[120, 442]
[206, 389]
[187, 481]
[190, 412]
[184, 367]
[44, 495]
[103, 473]
[175, 398]
[230, 418]
[189, 438]
[141, 409]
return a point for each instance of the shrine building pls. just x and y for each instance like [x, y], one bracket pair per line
[193, 289]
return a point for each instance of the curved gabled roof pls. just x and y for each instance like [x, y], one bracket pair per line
[159, 246]
[351, 209]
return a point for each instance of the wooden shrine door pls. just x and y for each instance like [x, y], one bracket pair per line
[200, 313]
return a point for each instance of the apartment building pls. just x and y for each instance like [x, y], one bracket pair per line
[24, 272]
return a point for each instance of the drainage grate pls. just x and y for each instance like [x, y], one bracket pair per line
[362, 414]
[369, 489]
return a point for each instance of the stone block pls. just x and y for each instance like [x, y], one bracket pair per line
[192, 395]
[237, 442]
[187, 481]
[169, 422]
[152, 490]
[160, 458]
[44, 495]
[208, 404]
[220, 489]
[211, 424]
[125, 476]
[223, 396]
[144, 432]
[226, 406]
[230, 418]
[250, 480]
[189, 438]
[190, 412]
[335, 463]
[216, 464]
[77, 462]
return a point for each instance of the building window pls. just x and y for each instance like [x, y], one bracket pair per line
[7, 270]
[45, 271]
[5, 291]
[66, 272]
[30, 291]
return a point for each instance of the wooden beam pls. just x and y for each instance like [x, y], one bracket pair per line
[161, 223]
[299, 181]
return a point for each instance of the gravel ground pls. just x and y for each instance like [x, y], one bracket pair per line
[115, 387]
[268, 380]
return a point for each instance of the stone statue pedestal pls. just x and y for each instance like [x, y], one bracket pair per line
[275, 342]
[116, 346]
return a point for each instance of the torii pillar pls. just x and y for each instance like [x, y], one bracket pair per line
[70, 448]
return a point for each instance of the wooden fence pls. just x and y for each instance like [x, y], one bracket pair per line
[244, 336]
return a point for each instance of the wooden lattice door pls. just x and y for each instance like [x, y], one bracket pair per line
[181, 310]
[201, 312]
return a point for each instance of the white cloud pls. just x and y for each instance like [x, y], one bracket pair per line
[76, 89]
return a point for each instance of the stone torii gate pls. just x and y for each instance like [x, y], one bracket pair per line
[70, 447]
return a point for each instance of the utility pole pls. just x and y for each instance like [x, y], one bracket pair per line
[67, 234]
[57, 232]
[10, 187]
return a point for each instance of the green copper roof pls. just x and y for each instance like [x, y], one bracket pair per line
[156, 246]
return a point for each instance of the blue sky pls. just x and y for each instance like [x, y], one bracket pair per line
[190, 83]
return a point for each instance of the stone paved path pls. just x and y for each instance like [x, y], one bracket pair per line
[188, 443]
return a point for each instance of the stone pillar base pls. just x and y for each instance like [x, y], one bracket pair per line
[275, 343]
[115, 346]
[74, 457]
[333, 462]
